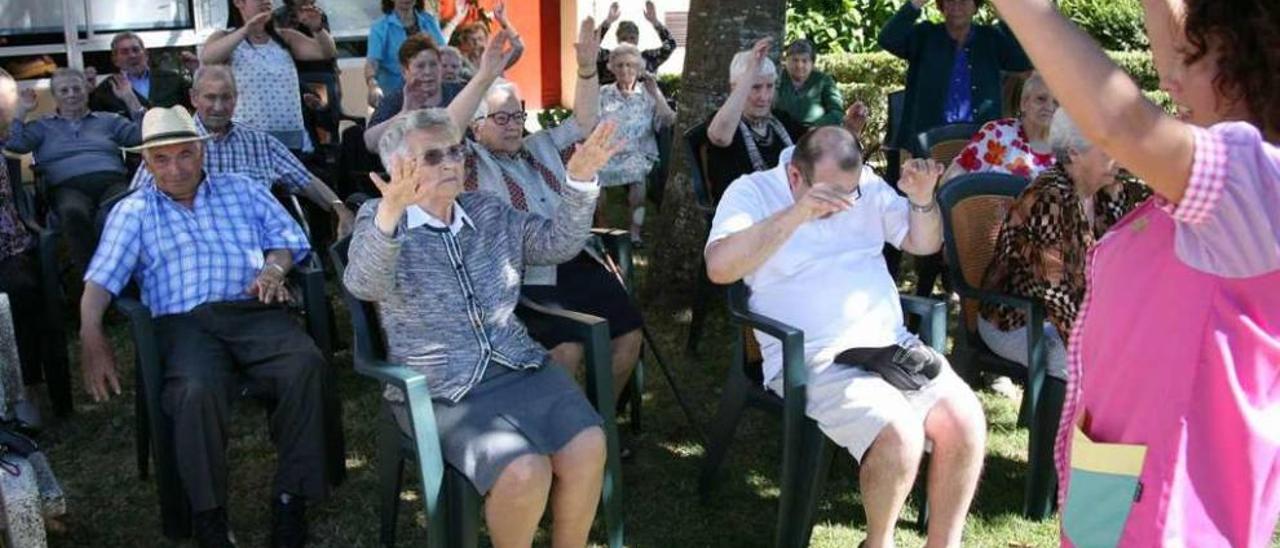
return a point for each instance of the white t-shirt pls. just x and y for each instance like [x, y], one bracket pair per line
[830, 278]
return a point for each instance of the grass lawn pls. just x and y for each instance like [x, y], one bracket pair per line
[109, 506]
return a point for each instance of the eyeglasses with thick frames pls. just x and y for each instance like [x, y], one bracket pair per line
[504, 118]
[437, 156]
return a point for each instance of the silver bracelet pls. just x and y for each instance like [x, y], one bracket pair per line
[933, 204]
[278, 268]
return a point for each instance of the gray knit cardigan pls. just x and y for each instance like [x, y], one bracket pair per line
[447, 302]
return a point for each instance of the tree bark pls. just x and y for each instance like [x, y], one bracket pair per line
[717, 30]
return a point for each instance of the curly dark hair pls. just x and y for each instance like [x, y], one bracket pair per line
[1245, 34]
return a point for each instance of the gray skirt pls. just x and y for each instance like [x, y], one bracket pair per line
[507, 415]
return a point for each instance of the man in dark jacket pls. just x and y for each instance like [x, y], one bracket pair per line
[954, 67]
[154, 87]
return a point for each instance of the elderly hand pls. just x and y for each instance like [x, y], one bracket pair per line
[823, 200]
[346, 221]
[403, 189]
[759, 51]
[190, 61]
[614, 13]
[500, 13]
[594, 153]
[855, 118]
[919, 179]
[269, 287]
[650, 12]
[98, 364]
[497, 54]
[27, 102]
[588, 45]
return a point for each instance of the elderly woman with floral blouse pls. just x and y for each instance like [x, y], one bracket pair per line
[1041, 250]
[636, 105]
[1017, 146]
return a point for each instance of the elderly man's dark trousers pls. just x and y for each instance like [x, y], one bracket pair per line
[77, 202]
[209, 354]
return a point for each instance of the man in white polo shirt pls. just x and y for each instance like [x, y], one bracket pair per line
[807, 238]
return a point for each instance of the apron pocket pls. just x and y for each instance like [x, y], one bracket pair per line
[1104, 488]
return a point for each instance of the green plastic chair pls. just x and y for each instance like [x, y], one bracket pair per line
[807, 452]
[618, 244]
[973, 210]
[154, 431]
[451, 504]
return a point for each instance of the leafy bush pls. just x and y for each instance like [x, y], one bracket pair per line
[851, 26]
[1115, 24]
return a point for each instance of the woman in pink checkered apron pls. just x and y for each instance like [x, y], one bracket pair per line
[1170, 432]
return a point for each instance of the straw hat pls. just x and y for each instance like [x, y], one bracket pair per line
[167, 126]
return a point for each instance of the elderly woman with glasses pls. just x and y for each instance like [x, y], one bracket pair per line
[1017, 146]
[636, 105]
[514, 424]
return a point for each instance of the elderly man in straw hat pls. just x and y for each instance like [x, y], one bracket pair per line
[209, 252]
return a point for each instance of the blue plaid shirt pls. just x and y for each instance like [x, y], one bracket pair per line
[249, 152]
[182, 258]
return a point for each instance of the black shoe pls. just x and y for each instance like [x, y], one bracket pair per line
[289, 522]
[210, 529]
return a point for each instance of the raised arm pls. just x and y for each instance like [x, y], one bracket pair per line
[586, 96]
[732, 257]
[924, 220]
[517, 45]
[217, 49]
[495, 57]
[375, 244]
[725, 122]
[1105, 103]
[660, 54]
[460, 10]
[24, 137]
[895, 37]
[556, 240]
[663, 116]
[306, 48]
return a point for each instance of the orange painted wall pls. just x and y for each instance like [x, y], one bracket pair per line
[538, 71]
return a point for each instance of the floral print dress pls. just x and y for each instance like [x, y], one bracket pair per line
[1002, 146]
[637, 123]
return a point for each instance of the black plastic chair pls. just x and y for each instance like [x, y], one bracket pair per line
[973, 211]
[696, 143]
[153, 431]
[56, 365]
[807, 452]
[451, 504]
[893, 127]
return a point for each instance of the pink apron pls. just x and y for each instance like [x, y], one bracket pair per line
[1179, 379]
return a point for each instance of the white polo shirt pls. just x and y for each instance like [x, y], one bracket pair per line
[829, 279]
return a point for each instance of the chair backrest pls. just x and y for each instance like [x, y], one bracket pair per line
[897, 101]
[944, 143]
[695, 138]
[22, 199]
[974, 207]
[369, 345]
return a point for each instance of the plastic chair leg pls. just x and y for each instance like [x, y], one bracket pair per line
[637, 397]
[701, 296]
[142, 433]
[335, 439]
[390, 475]
[805, 466]
[732, 402]
[463, 509]
[1042, 478]
[922, 495]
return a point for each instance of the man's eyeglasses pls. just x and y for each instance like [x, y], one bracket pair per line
[436, 156]
[504, 118]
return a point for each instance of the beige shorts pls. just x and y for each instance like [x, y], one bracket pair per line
[852, 405]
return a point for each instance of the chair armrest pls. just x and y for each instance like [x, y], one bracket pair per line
[400, 376]
[618, 244]
[933, 319]
[593, 333]
[1037, 360]
[309, 276]
[146, 348]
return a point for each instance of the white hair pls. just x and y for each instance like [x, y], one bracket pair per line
[624, 49]
[499, 87]
[738, 67]
[220, 73]
[392, 143]
[1065, 135]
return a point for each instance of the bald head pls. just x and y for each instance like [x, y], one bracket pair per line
[827, 154]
